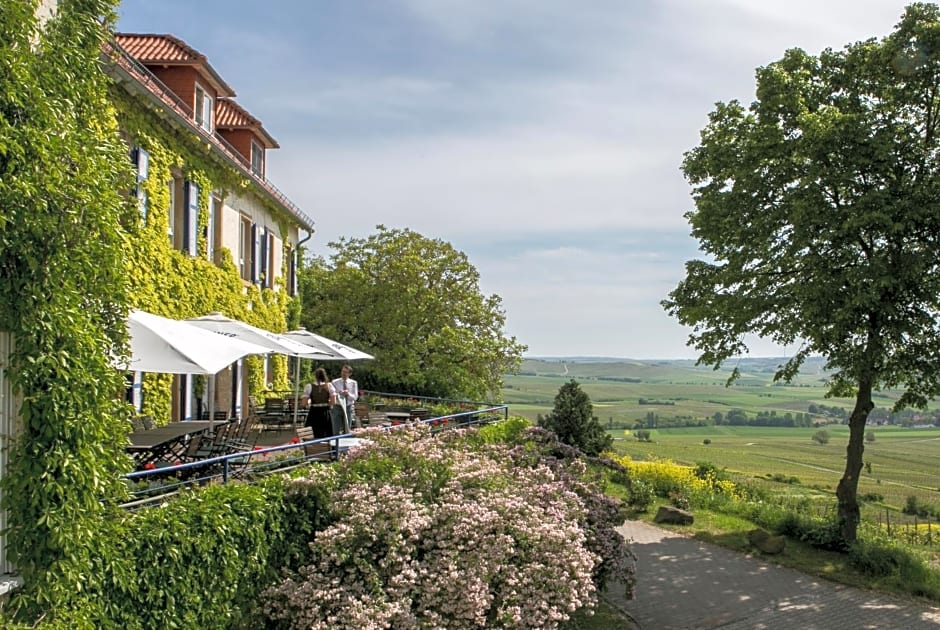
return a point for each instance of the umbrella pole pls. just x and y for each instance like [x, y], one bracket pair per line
[296, 389]
[211, 393]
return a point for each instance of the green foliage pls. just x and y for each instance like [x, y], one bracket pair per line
[573, 421]
[821, 437]
[169, 282]
[63, 297]
[816, 207]
[917, 507]
[642, 494]
[782, 478]
[198, 561]
[870, 438]
[504, 432]
[415, 303]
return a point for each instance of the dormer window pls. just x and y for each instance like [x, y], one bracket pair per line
[204, 108]
[257, 159]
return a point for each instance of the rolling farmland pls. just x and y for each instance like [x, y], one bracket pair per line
[904, 461]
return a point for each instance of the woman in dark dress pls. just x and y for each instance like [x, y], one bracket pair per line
[322, 396]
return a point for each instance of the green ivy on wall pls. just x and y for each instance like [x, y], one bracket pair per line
[171, 283]
[63, 291]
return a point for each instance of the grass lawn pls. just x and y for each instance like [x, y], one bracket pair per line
[904, 462]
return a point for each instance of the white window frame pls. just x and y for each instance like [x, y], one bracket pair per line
[214, 204]
[271, 272]
[203, 108]
[171, 212]
[257, 158]
[244, 247]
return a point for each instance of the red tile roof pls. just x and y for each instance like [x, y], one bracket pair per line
[168, 50]
[231, 115]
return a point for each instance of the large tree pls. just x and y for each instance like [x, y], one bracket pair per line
[415, 303]
[818, 210]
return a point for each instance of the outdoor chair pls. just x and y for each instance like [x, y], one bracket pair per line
[362, 412]
[321, 451]
[216, 445]
[237, 439]
[378, 419]
[276, 412]
[137, 423]
[192, 449]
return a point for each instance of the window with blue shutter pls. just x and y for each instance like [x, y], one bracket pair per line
[142, 202]
[210, 229]
[190, 218]
[262, 276]
[292, 274]
[142, 160]
[255, 250]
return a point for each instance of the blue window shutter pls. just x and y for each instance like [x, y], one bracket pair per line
[254, 252]
[190, 218]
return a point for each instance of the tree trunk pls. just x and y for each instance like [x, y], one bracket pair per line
[847, 490]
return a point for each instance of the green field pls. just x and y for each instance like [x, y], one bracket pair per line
[616, 388]
[904, 461]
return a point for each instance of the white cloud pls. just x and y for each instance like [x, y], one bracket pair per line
[542, 137]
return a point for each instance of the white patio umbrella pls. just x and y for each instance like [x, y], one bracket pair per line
[274, 342]
[325, 344]
[170, 346]
[342, 351]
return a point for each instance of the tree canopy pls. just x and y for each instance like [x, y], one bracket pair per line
[572, 419]
[415, 303]
[818, 210]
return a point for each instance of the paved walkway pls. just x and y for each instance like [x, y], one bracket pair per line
[686, 584]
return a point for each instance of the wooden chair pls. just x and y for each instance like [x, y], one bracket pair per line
[320, 451]
[362, 413]
[378, 419]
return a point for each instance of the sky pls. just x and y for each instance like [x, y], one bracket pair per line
[543, 138]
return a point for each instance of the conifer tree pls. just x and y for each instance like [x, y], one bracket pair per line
[573, 420]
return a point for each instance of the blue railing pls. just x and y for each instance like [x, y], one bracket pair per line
[165, 482]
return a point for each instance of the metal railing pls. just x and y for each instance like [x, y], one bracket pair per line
[165, 482]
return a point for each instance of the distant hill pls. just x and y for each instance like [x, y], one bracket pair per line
[757, 368]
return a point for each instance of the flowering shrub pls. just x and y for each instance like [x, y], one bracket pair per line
[587, 476]
[673, 480]
[429, 533]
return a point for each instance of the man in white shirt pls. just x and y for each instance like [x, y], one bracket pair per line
[347, 393]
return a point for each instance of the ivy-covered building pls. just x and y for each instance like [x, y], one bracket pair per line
[178, 219]
[214, 234]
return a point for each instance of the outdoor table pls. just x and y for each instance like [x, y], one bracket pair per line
[165, 442]
[397, 416]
